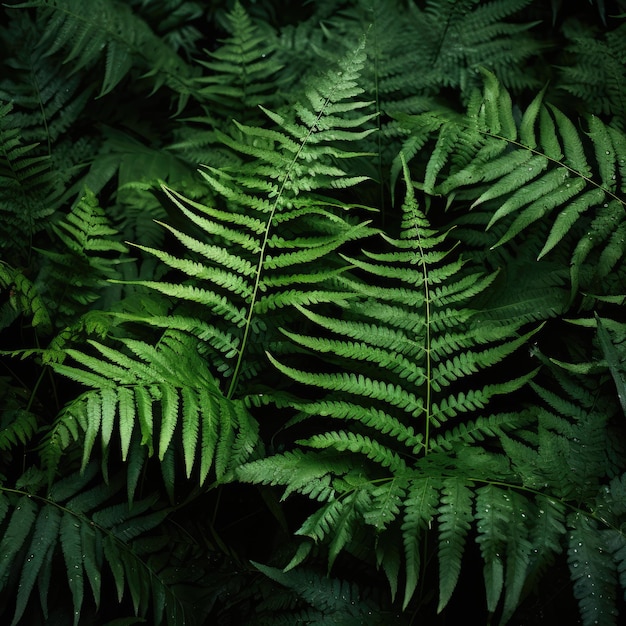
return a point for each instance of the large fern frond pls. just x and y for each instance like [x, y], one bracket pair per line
[248, 260]
[390, 361]
[537, 168]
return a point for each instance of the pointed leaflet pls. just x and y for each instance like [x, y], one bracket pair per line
[94, 419]
[518, 550]
[169, 417]
[613, 361]
[420, 510]
[604, 152]
[44, 577]
[191, 426]
[227, 423]
[15, 535]
[127, 413]
[492, 514]
[72, 547]
[45, 536]
[592, 570]
[348, 521]
[114, 557]
[91, 542]
[210, 432]
[455, 515]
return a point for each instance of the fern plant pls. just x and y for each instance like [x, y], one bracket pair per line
[253, 260]
[417, 412]
[81, 520]
[537, 168]
[400, 458]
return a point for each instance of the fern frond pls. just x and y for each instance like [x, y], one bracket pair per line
[598, 85]
[238, 266]
[241, 71]
[28, 188]
[82, 525]
[420, 510]
[388, 363]
[151, 391]
[330, 600]
[24, 298]
[110, 34]
[90, 256]
[539, 167]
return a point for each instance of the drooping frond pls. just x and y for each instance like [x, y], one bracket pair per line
[81, 524]
[163, 396]
[540, 167]
[109, 33]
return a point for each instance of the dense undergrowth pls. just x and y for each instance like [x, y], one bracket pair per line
[312, 314]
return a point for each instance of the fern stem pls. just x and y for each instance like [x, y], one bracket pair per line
[257, 279]
[428, 345]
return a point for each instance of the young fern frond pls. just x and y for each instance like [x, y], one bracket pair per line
[252, 261]
[538, 168]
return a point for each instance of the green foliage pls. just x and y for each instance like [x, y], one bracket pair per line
[408, 343]
[160, 391]
[80, 522]
[109, 33]
[312, 314]
[539, 167]
[596, 73]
